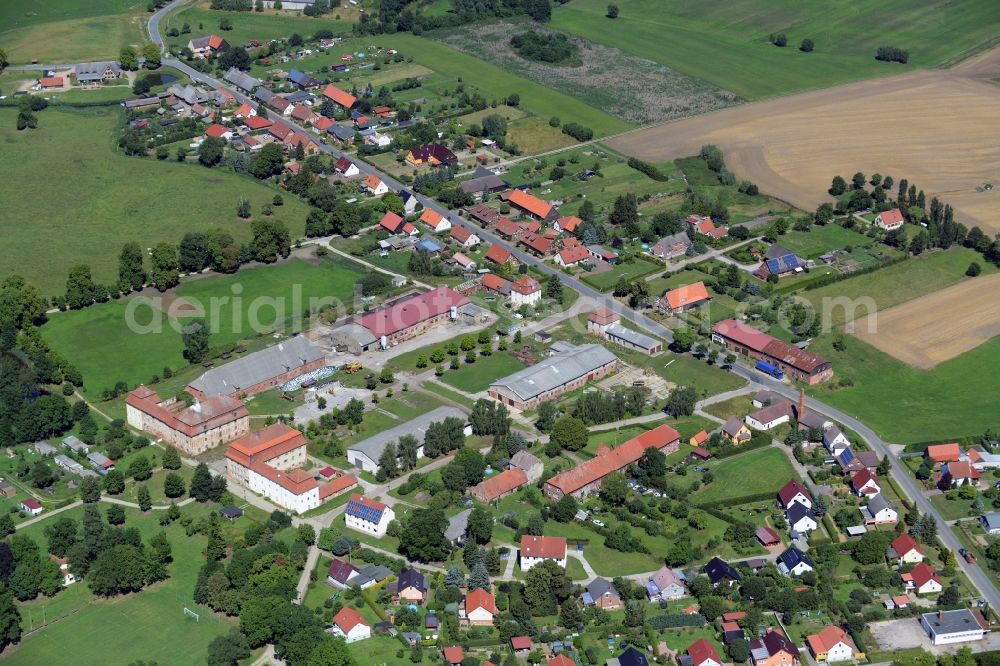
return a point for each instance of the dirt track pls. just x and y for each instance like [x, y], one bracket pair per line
[937, 128]
[939, 326]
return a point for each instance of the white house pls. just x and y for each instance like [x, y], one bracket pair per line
[464, 237]
[889, 219]
[347, 168]
[990, 522]
[368, 516]
[535, 549]
[953, 626]
[375, 185]
[771, 416]
[801, 519]
[865, 484]
[835, 441]
[906, 549]
[794, 492]
[435, 220]
[349, 624]
[479, 607]
[923, 580]
[31, 507]
[831, 645]
[793, 562]
[879, 511]
[525, 291]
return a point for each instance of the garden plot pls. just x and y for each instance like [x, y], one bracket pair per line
[634, 89]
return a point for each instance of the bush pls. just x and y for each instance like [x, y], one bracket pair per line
[806, 46]
[779, 40]
[974, 269]
[543, 47]
[578, 132]
[648, 169]
[892, 54]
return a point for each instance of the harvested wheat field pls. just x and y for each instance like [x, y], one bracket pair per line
[936, 128]
[936, 327]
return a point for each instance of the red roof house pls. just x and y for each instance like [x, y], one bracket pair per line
[338, 96]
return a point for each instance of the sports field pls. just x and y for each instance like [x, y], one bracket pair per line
[149, 625]
[70, 198]
[726, 43]
[903, 404]
[939, 326]
[858, 296]
[69, 31]
[746, 474]
[99, 341]
[792, 147]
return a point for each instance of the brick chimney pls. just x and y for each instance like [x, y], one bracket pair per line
[802, 404]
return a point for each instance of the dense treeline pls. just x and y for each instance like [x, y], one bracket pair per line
[545, 47]
[892, 54]
[396, 16]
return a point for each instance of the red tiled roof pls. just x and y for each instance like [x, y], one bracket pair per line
[343, 164]
[263, 445]
[391, 222]
[302, 112]
[244, 111]
[766, 535]
[337, 486]
[530, 203]
[615, 459]
[904, 543]
[279, 131]
[494, 282]
[412, 311]
[521, 643]
[257, 123]
[348, 618]
[734, 616]
[539, 244]
[862, 478]
[526, 285]
[742, 334]
[345, 99]
[944, 452]
[686, 295]
[543, 546]
[216, 130]
[192, 421]
[279, 103]
[560, 660]
[372, 181]
[701, 651]
[572, 255]
[569, 223]
[822, 642]
[700, 437]
[431, 218]
[322, 122]
[460, 234]
[51, 81]
[765, 344]
[603, 316]
[962, 470]
[701, 452]
[454, 654]
[891, 217]
[215, 41]
[507, 226]
[328, 472]
[498, 254]
[922, 574]
[790, 490]
[297, 481]
[30, 503]
[480, 598]
[501, 484]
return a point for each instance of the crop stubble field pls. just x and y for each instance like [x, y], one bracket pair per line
[937, 327]
[930, 127]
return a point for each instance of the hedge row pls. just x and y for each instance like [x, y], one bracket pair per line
[649, 169]
[734, 450]
[676, 620]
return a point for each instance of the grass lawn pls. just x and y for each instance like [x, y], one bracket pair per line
[953, 507]
[895, 284]
[155, 485]
[604, 560]
[630, 272]
[956, 398]
[273, 403]
[98, 199]
[574, 569]
[476, 377]
[262, 26]
[738, 406]
[148, 625]
[448, 394]
[89, 337]
[758, 471]
[727, 43]
[821, 239]
[70, 31]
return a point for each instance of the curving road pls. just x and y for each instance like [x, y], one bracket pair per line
[899, 474]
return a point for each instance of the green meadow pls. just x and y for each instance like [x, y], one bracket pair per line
[70, 197]
[726, 43]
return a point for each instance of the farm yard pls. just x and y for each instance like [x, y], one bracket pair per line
[937, 327]
[89, 337]
[634, 89]
[97, 199]
[727, 45]
[775, 144]
[67, 31]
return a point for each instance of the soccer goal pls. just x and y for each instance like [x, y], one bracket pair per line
[190, 613]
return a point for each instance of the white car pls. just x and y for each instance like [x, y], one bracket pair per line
[598, 522]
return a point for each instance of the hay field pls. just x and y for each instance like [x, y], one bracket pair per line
[933, 128]
[937, 327]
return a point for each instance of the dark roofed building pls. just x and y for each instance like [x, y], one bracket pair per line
[720, 572]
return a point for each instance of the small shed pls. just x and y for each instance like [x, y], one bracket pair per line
[231, 512]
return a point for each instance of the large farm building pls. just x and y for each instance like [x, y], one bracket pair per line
[564, 371]
[748, 341]
[401, 320]
[193, 429]
[260, 371]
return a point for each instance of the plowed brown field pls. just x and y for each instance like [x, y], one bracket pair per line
[936, 327]
[937, 128]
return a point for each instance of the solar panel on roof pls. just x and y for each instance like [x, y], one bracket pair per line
[772, 266]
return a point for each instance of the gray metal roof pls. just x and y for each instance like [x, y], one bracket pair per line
[264, 94]
[992, 520]
[636, 338]
[75, 444]
[94, 71]
[98, 458]
[342, 132]
[556, 370]
[44, 448]
[67, 462]
[356, 332]
[600, 586]
[375, 445]
[457, 525]
[372, 573]
[952, 621]
[242, 79]
[878, 503]
[257, 367]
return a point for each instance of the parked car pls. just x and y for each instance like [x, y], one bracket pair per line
[599, 523]
[967, 554]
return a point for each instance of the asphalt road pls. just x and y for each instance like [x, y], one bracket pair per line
[899, 474]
